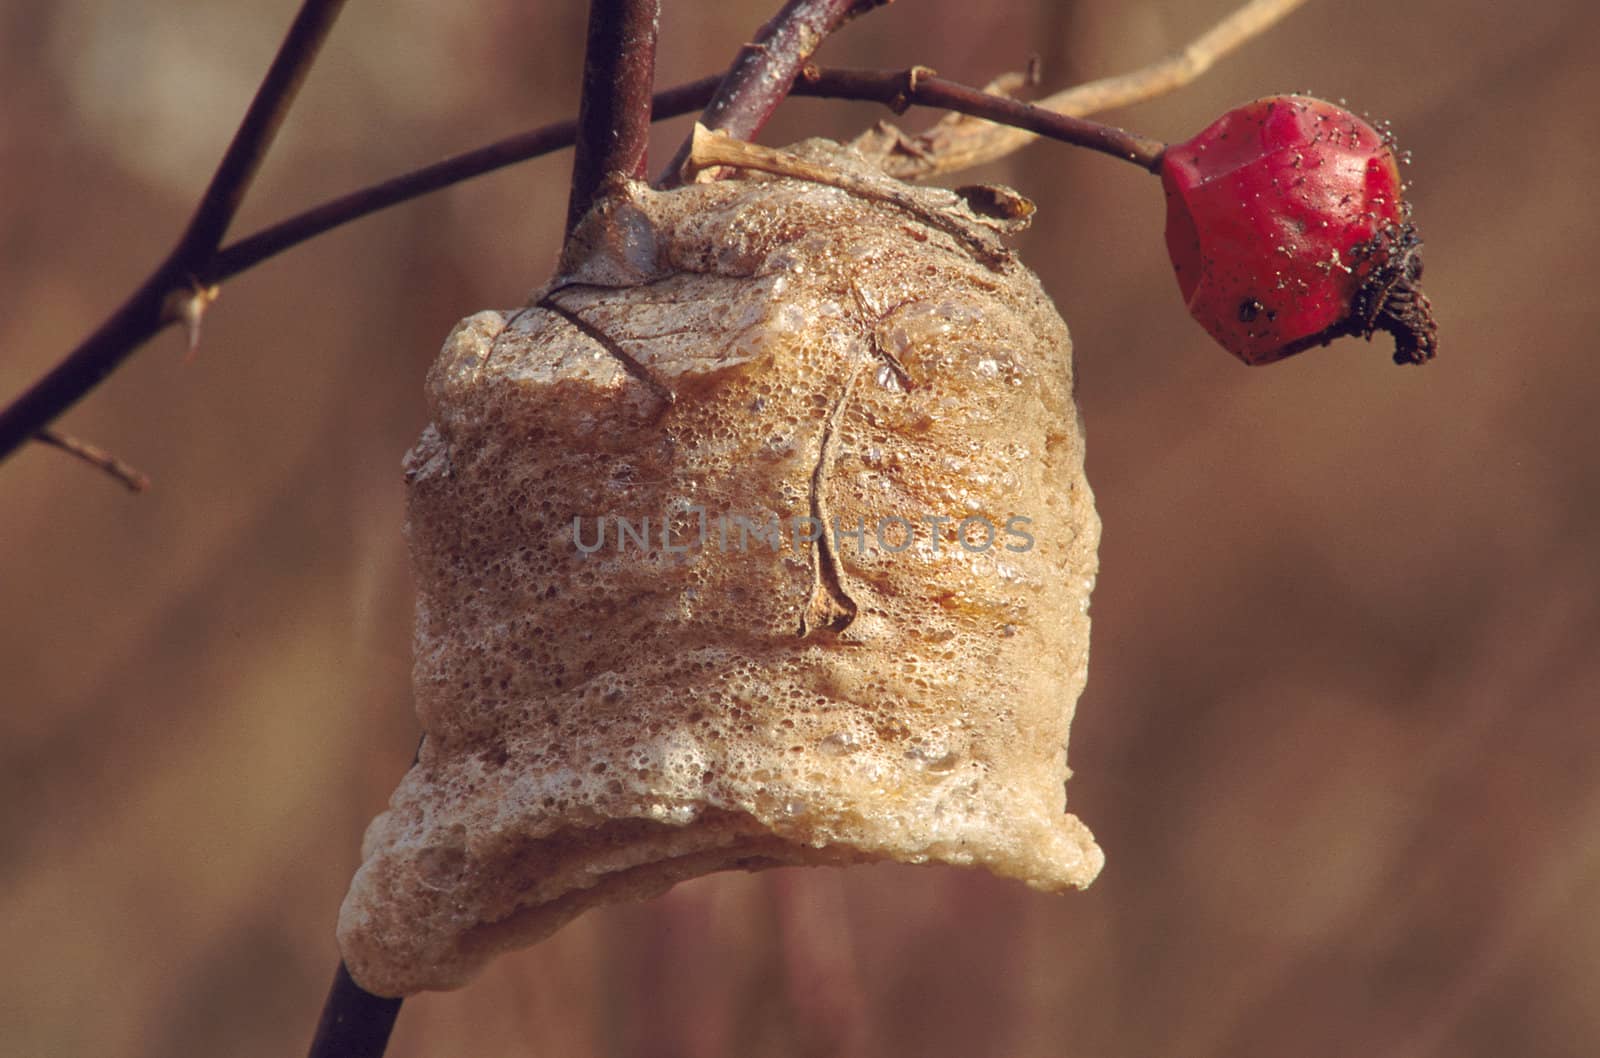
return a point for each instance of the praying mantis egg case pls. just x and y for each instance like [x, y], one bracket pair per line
[608, 710]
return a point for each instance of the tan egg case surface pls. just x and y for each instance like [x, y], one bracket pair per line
[634, 665]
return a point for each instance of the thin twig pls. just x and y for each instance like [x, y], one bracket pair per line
[237, 170]
[96, 457]
[619, 66]
[152, 306]
[919, 86]
[954, 145]
[354, 1023]
[765, 69]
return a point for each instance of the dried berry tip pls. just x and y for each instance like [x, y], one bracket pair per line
[1391, 298]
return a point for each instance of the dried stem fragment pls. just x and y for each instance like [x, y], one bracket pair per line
[106, 462]
[709, 149]
[765, 69]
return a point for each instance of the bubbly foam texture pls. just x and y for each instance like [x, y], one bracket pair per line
[600, 726]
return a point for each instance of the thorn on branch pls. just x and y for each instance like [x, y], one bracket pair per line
[188, 307]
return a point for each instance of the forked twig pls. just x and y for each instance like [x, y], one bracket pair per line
[955, 144]
[151, 307]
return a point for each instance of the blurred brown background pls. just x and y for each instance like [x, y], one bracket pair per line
[1340, 734]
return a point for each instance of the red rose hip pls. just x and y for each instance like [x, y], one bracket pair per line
[1287, 229]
